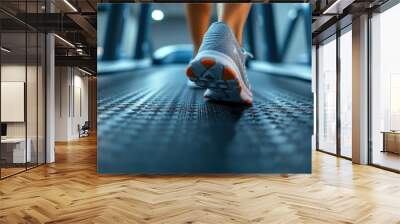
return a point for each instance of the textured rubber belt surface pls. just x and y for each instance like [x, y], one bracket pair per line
[150, 121]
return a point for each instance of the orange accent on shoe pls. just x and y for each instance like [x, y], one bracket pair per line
[190, 73]
[248, 102]
[207, 62]
[229, 74]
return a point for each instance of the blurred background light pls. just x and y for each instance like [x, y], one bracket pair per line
[157, 15]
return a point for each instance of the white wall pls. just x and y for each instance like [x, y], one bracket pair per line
[81, 83]
[62, 82]
[70, 83]
[13, 72]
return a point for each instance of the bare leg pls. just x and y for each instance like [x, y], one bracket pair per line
[198, 15]
[235, 15]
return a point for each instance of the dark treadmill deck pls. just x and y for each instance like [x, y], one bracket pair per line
[150, 121]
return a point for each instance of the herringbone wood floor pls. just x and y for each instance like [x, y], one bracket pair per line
[70, 191]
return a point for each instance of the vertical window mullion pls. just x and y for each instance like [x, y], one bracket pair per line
[338, 80]
[26, 86]
[317, 96]
[37, 89]
[0, 92]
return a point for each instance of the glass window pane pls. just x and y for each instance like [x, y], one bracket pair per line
[31, 97]
[385, 89]
[32, 87]
[13, 86]
[346, 94]
[22, 88]
[327, 96]
[41, 98]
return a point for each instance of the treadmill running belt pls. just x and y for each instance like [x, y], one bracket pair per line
[150, 121]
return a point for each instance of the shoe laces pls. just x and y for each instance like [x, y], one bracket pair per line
[247, 54]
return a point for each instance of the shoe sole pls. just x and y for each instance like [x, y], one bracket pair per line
[217, 72]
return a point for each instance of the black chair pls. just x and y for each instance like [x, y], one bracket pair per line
[84, 130]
